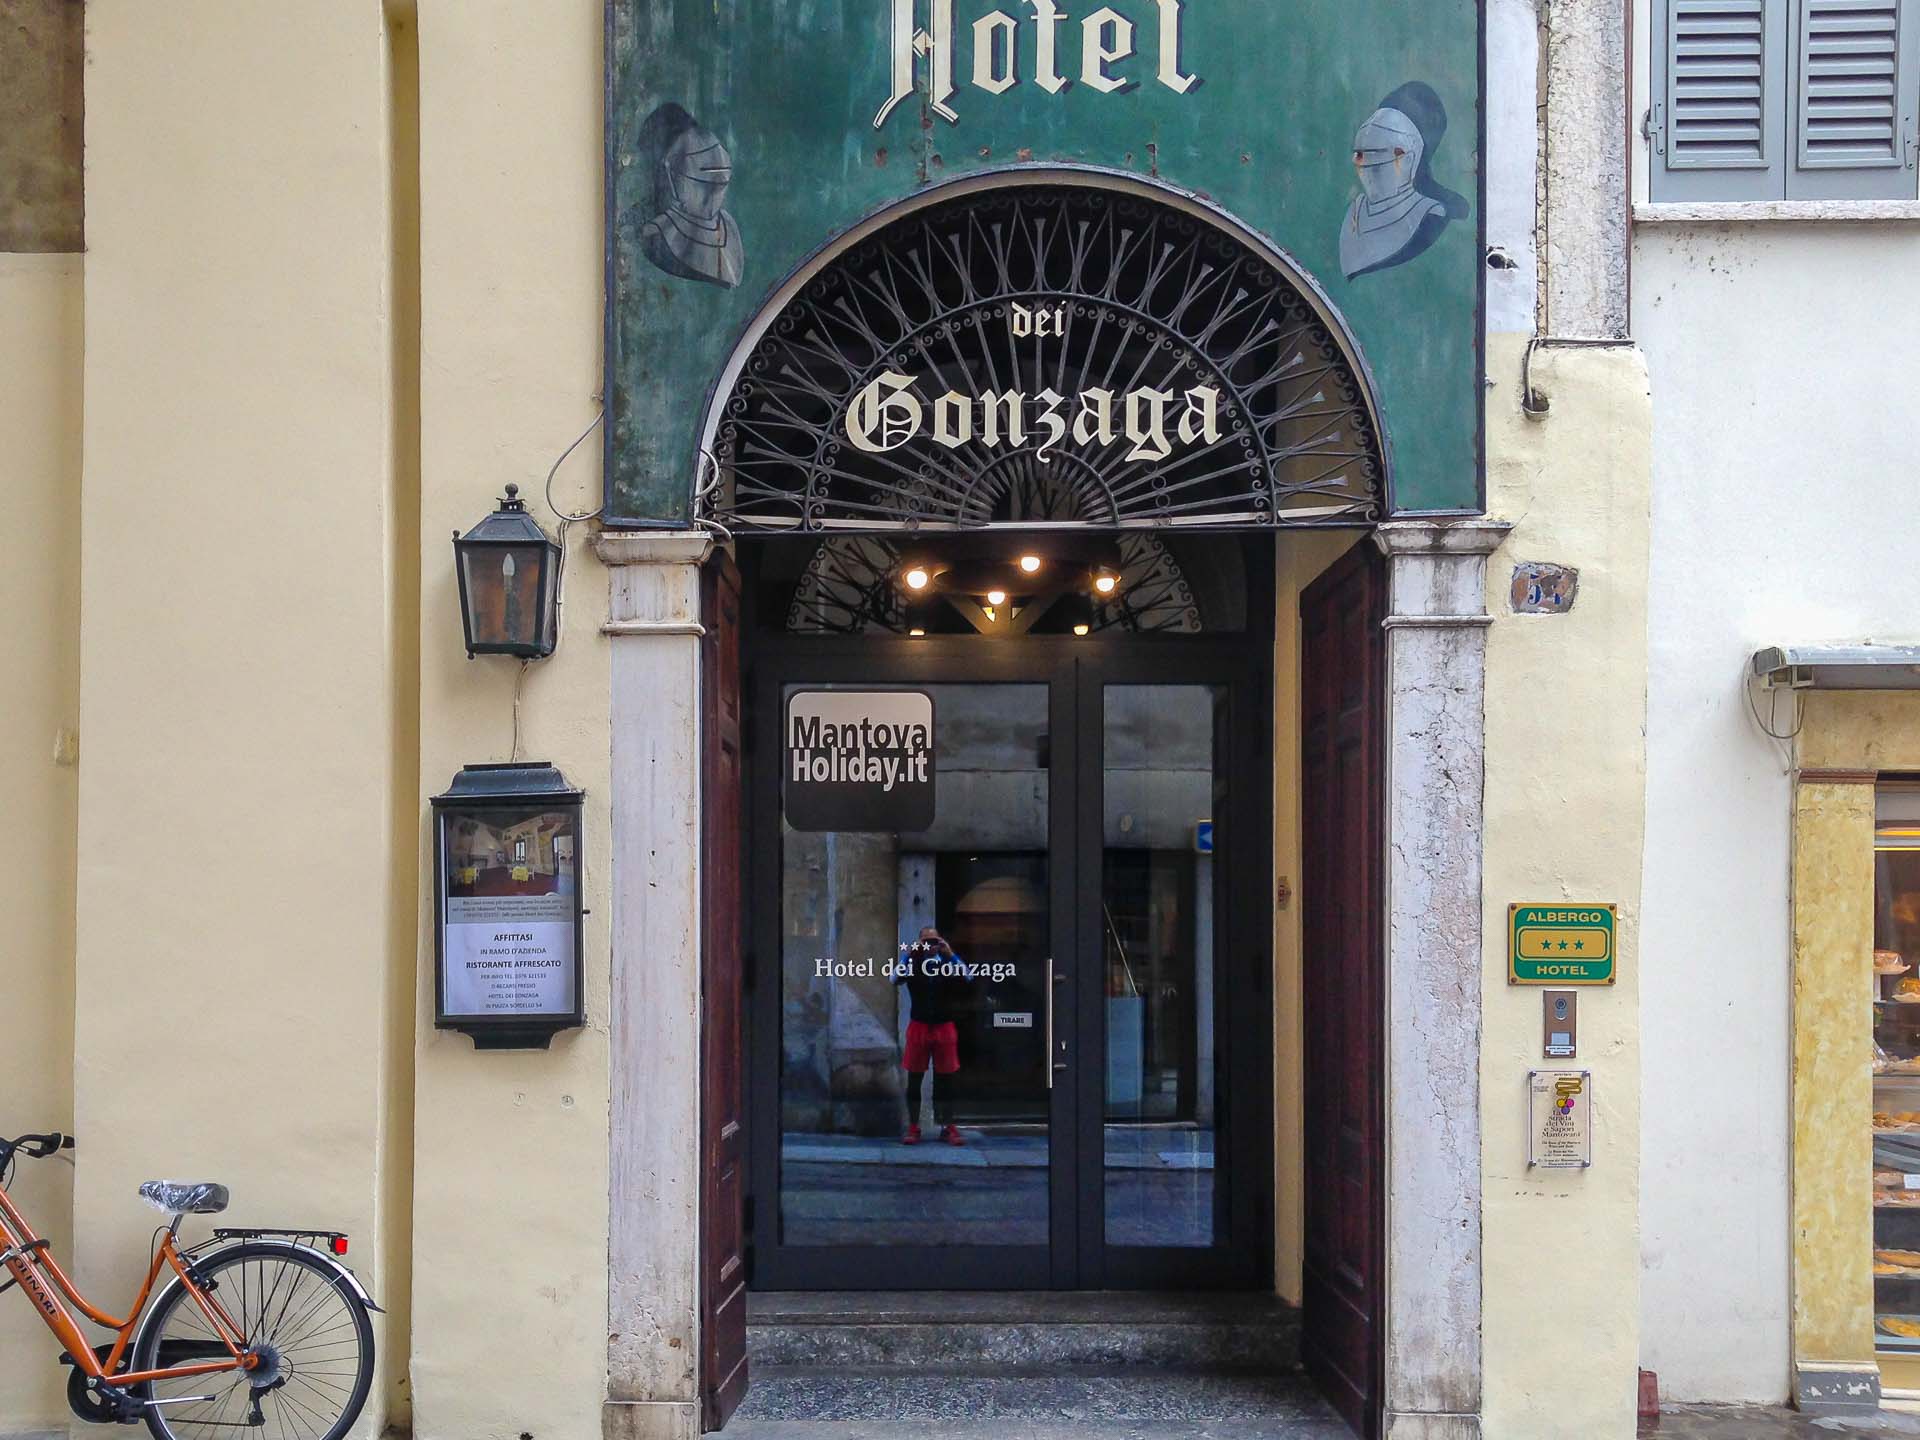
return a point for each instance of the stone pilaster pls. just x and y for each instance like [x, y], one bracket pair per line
[653, 1324]
[1436, 695]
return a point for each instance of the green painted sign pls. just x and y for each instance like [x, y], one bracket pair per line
[1561, 944]
[744, 135]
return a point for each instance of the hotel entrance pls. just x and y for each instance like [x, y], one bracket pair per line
[1016, 484]
[1013, 1029]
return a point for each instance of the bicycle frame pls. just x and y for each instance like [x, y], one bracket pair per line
[33, 1266]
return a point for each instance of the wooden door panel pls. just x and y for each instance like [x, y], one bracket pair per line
[723, 1280]
[1342, 775]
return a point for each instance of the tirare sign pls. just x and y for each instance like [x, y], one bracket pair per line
[859, 760]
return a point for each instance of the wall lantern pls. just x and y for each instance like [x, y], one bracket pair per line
[509, 583]
[506, 931]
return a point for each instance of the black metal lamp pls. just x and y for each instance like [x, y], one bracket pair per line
[509, 583]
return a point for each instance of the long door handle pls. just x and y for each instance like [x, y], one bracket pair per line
[1053, 1065]
[1049, 1022]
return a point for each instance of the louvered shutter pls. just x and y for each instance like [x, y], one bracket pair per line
[1719, 121]
[1854, 101]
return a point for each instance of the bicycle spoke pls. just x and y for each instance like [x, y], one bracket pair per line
[304, 1325]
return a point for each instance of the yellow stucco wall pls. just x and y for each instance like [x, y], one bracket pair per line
[241, 697]
[1565, 762]
[511, 1149]
[40, 298]
[1299, 560]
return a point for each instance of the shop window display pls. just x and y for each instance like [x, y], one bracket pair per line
[1896, 1071]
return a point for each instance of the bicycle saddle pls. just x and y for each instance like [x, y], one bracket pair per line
[185, 1197]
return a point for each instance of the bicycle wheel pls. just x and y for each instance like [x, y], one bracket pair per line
[312, 1335]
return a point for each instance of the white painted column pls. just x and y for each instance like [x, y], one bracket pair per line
[653, 1322]
[1436, 692]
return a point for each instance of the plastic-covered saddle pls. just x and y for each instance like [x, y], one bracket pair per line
[185, 1197]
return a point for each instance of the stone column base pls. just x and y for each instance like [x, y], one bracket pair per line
[1410, 1425]
[1836, 1387]
[649, 1420]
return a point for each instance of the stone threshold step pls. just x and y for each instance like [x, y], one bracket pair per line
[991, 1307]
[1153, 1401]
[1002, 1349]
[1009, 1429]
[960, 1333]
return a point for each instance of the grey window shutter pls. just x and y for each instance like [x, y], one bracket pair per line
[1854, 100]
[1719, 112]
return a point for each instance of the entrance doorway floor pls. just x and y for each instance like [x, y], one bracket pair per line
[1027, 1366]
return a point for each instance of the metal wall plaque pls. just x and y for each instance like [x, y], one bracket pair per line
[1561, 943]
[859, 760]
[1559, 1119]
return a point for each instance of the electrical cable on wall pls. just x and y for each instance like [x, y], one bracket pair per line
[1770, 722]
[567, 518]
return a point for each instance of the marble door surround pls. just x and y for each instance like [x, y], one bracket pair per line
[1436, 653]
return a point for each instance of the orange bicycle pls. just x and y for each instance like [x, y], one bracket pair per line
[257, 1328]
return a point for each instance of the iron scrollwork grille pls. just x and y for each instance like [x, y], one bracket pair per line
[1261, 419]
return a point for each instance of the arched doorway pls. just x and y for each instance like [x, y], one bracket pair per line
[1046, 348]
[1116, 384]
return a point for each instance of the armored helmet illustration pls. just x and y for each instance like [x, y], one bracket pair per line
[1401, 209]
[690, 233]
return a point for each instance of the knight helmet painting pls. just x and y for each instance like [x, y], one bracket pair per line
[1401, 209]
[689, 233]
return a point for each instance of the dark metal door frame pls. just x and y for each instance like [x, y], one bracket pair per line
[1076, 670]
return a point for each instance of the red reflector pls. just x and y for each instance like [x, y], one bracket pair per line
[339, 1244]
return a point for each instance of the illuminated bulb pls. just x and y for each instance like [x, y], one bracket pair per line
[1106, 584]
[996, 597]
[1082, 629]
[918, 579]
[917, 634]
[1030, 564]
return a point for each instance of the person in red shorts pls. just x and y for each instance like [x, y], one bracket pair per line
[932, 1034]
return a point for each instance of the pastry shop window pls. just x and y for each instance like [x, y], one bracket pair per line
[1896, 1069]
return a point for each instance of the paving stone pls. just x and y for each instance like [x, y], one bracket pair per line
[1743, 1422]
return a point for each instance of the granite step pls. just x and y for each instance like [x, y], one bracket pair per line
[1032, 1334]
[831, 1406]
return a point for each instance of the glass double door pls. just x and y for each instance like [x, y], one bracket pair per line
[1010, 1029]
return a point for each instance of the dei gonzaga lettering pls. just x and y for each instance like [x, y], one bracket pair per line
[889, 412]
[825, 967]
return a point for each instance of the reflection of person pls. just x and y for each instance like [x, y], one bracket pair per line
[932, 1033]
[1401, 209]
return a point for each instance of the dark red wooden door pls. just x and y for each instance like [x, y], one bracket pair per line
[723, 1179]
[1343, 673]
